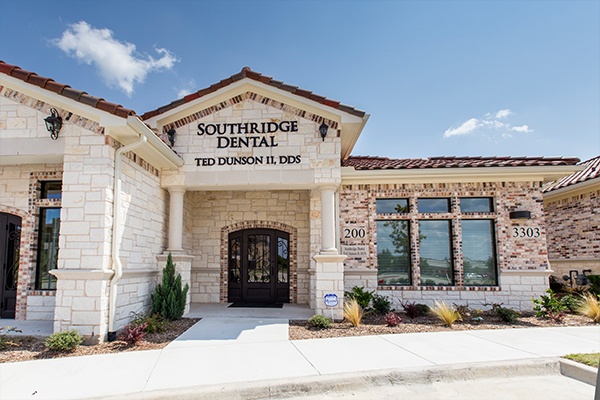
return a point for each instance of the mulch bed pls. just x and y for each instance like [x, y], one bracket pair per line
[30, 348]
[375, 325]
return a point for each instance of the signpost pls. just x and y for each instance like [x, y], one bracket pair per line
[331, 300]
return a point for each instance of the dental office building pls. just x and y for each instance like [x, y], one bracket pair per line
[251, 186]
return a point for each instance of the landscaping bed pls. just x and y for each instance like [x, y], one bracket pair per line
[373, 324]
[24, 348]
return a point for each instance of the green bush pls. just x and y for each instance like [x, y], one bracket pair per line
[64, 341]
[169, 298]
[549, 305]
[319, 321]
[363, 297]
[594, 282]
[381, 304]
[506, 314]
[155, 323]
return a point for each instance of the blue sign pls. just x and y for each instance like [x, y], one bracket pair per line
[331, 300]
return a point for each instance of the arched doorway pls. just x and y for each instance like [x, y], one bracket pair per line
[258, 266]
[10, 240]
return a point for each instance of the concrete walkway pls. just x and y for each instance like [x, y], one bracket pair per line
[221, 352]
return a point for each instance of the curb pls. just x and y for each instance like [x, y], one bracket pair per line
[581, 372]
[321, 384]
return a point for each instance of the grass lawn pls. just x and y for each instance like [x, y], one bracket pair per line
[591, 359]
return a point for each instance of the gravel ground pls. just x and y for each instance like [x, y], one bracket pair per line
[375, 325]
[30, 348]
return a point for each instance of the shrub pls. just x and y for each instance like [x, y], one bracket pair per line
[169, 298]
[4, 331]
[362, 296]
[155, 323]
[381, 304]
[464, 312]
[353, 312]
[589, 306]
[548, 304]
[506, 314]
[594, 282]
[319, 321]
[445, 313]
[392, 319]
[133, 333]
[414, 310]
[64, 341]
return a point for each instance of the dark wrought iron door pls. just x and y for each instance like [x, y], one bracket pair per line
[10, 240]
[258, 266]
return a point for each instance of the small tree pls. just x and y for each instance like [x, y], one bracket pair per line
[169, 297]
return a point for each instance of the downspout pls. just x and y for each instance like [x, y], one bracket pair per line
[116, 260]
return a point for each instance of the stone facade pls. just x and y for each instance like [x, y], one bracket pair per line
[522, 262]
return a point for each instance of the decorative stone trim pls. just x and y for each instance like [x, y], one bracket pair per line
[528, 272]
[83, 274]
[139, 273]
[51, 293]
[44, 107]
[255, 97]
[293, 253]
[443, 288]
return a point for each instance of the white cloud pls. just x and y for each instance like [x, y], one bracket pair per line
[503, 113]
[490, 122]
[189, 87]
[117, 62]
[464, 129]
[522, 128]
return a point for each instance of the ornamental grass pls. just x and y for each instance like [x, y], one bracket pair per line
[448, 315]
[353, 313]
[589, 306]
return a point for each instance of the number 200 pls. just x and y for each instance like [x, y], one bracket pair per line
[526, 232]
[354, 233]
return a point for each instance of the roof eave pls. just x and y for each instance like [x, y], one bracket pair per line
[451, 175]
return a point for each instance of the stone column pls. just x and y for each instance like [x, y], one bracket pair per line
[176, 219]
[328, 276]
[328, 220]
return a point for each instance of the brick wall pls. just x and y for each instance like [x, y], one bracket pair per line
[521, 261]
[573, 222]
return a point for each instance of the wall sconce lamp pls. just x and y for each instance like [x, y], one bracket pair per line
[520, 215]
[171, 135]
[53, 123]
[323, 130]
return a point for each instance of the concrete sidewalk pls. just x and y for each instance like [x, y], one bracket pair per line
[220, 353]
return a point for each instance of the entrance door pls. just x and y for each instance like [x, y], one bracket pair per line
[258, 263]
[10, 240]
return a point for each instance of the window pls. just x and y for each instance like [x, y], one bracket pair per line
[47, 248]
[437, 262]
[433, 205]
[50, 195]
[435, 252]
[476, 204]
[392, 206]
[393, 252]
[479, 258]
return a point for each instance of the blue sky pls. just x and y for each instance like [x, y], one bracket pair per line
[437, 77]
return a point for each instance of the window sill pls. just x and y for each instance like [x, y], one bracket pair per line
[444, 288]
[44, 292]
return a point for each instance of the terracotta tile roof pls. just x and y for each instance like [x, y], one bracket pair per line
[246, 72]
[591, 171]
[373, 163]
[64, 90]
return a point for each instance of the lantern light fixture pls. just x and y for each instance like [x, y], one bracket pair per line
[171, 136]
[53, 123]
[323, 130]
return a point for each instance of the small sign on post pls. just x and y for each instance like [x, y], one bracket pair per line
[331, 300]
